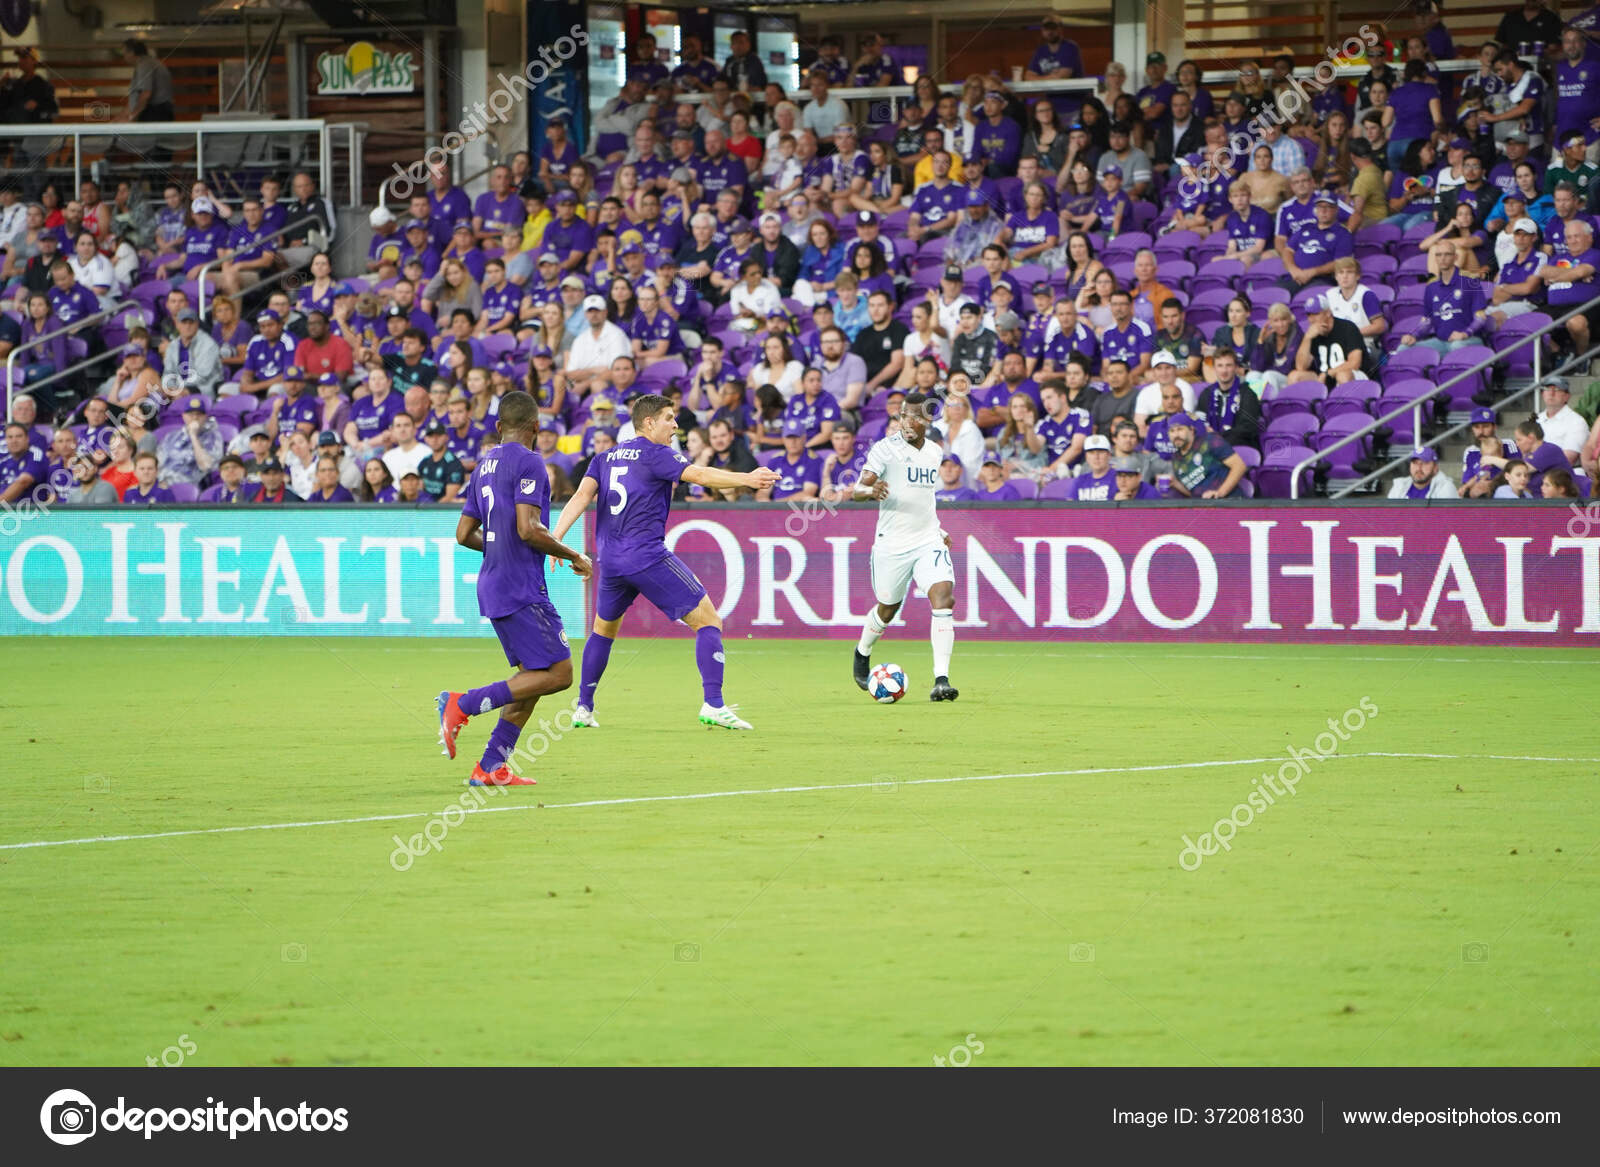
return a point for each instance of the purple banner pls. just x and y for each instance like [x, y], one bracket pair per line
[1463, 573]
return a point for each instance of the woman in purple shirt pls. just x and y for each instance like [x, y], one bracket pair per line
[1411, 190]
[1188, 76]
[1416, 110]
[557, 155]
[40, 360]
[872, 273]
[1279, 343]
[1032, 230]
[379, 483]
[317, 296]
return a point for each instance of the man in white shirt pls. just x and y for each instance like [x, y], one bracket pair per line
[1425, 480]
[407, 453]
[1562, 424]
[1164, 368]
[594, 347]
[13, 217]
[822, 113]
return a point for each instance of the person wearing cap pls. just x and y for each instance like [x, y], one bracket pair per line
[443, 477]
[779, 257]
[936, 204]
[1517, 286]
[419, 246]
[267, 356]
[1562, 425]
[992, 484]
[1514, 154]
[1476, 474]
[1315, 246]
[1098, 482]
[1204, 465]
[952, 481]
[596, 344]
[1056, 58]
[1333, 351]
[1164, 396]
[975, 230]
[24, 470]
[1155, 95]
[729, 268]
[299, 408]
[231, 486]
[273, 487]
[1424, 480]
[192, 355]
[569, 234]
[799, 470]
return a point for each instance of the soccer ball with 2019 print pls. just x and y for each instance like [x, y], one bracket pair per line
[887, 684]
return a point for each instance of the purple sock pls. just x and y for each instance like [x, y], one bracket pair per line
[708, 655]
[481, 700]
[502, 741]
[596, 654]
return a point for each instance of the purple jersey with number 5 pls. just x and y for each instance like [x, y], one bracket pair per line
[512, 576]
[635, 481]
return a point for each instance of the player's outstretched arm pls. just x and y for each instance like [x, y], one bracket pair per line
[468, 534]
[869, 485]
[713, 479]
[536, 535]
[576, 505]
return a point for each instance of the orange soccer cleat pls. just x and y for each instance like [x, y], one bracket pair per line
[451, 719]
[501, 777]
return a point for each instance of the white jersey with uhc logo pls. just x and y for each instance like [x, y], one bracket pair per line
[906, 518]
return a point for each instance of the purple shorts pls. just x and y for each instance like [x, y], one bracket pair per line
[532, 636]
[668, 584]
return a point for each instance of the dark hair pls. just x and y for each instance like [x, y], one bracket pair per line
[1563, 481]
[647, 405]
[415, 334]
[769, 401]
[519, 413]
[137, 47]
[1530, 429]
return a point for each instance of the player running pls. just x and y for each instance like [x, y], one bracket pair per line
[636, 480]
[503, 516]
[902, 472]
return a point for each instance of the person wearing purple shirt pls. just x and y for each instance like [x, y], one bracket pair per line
[693, 71]
[1245, 228]
[1416, 110]
[144, 490]
[370, 418]
[1132, 341]
[936, 204]
[815, 410]
[1062, 429]
[1315, 246]
[1098, 482]
[652, 328]
[567, 235]
[1450, 306]
[1063, 344]
[799, 471]
[1515, 289]
[1056, 57]
[1155, 97]
[1158, 442]
[70, 300]
[420, 247]
[1568, 286]
[267, 359]
[501, 301]
[1577, 87]
[1108, 203]
[634, 483]
[992, 485]
[23, 460]
[498, 209]
[450, 203]
[202, 241]
[718, 170]
[310, 300]
[504, 515]
[997, 142]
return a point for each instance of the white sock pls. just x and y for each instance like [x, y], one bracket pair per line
[942, 632]
[873, 629]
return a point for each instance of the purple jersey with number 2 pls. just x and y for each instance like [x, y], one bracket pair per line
[512, 576]
[635, 482]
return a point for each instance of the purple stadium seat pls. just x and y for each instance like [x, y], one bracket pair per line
[895, 223]
[1378, 268]
[1342, 427]
[150, 294]
[1289, 429]
[1144, 216]
[1351, 397]
[1300, 397]
[1413, 269]
[1216, 298]
[184, 491]
[1512, 343]
[1206, 320]
[1028, 274]
[1267, 295]
[1453, 364]
[1025, 487]
[228, 429]
[1404, 322]
[1275, 474]
[1056, 488]
[1382, 234]
[1123, 270]
[872, 431]
[877, 406]
[1412, 236]
[498, 345]
[1218, 275]
[1249, 455]
[1411, 362]
[1175, 273]
[166, 428]
[657, 375]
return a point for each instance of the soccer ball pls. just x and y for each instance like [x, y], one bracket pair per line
[887, 684]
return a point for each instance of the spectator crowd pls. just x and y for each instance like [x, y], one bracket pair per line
[1101, 310]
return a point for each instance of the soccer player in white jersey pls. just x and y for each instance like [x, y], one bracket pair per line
[902, 473]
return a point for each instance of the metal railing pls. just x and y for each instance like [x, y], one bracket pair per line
[65, 330]
[1415, 404]
[456, 180]
[206, 267]
[103, 136]
[1572, 364]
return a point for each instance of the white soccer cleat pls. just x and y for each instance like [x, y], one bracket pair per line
[724, 717]
[583, 718]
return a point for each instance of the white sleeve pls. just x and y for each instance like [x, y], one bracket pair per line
[877, 458]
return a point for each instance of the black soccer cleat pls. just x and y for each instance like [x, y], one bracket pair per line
[863, 668]
[942, 690]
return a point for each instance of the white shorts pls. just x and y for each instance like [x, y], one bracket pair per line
[894, 571]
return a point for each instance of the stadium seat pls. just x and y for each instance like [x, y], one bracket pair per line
[1175, 273]
[1512, 343]
[1452, 365]
[1413, 269]
[1300, 397]
[497, 345]
[1351, 397]
[1276, 473]
[1410, 362]
[1218, 275]
[657, 375]
[1058, 488]
[1026, 488]
[184, 492]
[872, 431]
[1337, 429]
[1289, 429]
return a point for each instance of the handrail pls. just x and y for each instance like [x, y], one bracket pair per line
[1577, 362]
[64, 330]
[211, 263]
[1415, 403]
[383, 187]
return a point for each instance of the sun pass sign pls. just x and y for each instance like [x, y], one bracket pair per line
[364, 70]
[1457, 574]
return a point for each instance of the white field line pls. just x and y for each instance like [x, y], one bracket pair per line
[385, 818]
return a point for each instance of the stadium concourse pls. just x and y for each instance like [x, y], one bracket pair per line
[1152, 288]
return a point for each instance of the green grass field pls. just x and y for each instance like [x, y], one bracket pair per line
[1395, 910]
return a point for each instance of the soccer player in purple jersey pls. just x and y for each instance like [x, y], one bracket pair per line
[634, 481]
[503, 516]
